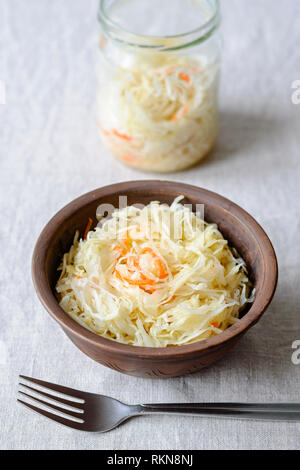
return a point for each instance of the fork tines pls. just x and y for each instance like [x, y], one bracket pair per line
[67, 410]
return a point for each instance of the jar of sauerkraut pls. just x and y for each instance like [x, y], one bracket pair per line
[159, 71]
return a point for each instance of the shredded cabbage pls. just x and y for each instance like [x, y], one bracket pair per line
[156, 276]
[160, 113]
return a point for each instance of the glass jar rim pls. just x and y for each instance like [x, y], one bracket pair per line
[194, 37]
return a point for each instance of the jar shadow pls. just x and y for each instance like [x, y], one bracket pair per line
[239, 132]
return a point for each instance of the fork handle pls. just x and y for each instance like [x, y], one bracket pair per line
[263, 411]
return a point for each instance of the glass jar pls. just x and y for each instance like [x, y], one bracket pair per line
[159, 73]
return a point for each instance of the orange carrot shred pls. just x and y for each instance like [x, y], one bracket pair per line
[185, 77]
[124, 239]
[215, 324]
[103, 41]
[122, 136]
[104, 131]
[119, 250]
[162, 271]
[185, 110]
[88, 227]
[129, 158]
[180, 113]
[134, 275]
[115, 132]
[148, 290]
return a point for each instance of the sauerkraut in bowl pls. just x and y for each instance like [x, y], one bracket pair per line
[156, 276]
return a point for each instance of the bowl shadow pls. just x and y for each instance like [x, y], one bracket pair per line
[263, 356]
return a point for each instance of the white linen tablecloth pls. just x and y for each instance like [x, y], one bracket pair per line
[51, 153]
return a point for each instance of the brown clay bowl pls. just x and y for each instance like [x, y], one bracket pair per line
[242, 231]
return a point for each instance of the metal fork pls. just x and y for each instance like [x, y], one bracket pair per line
[98, 413]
